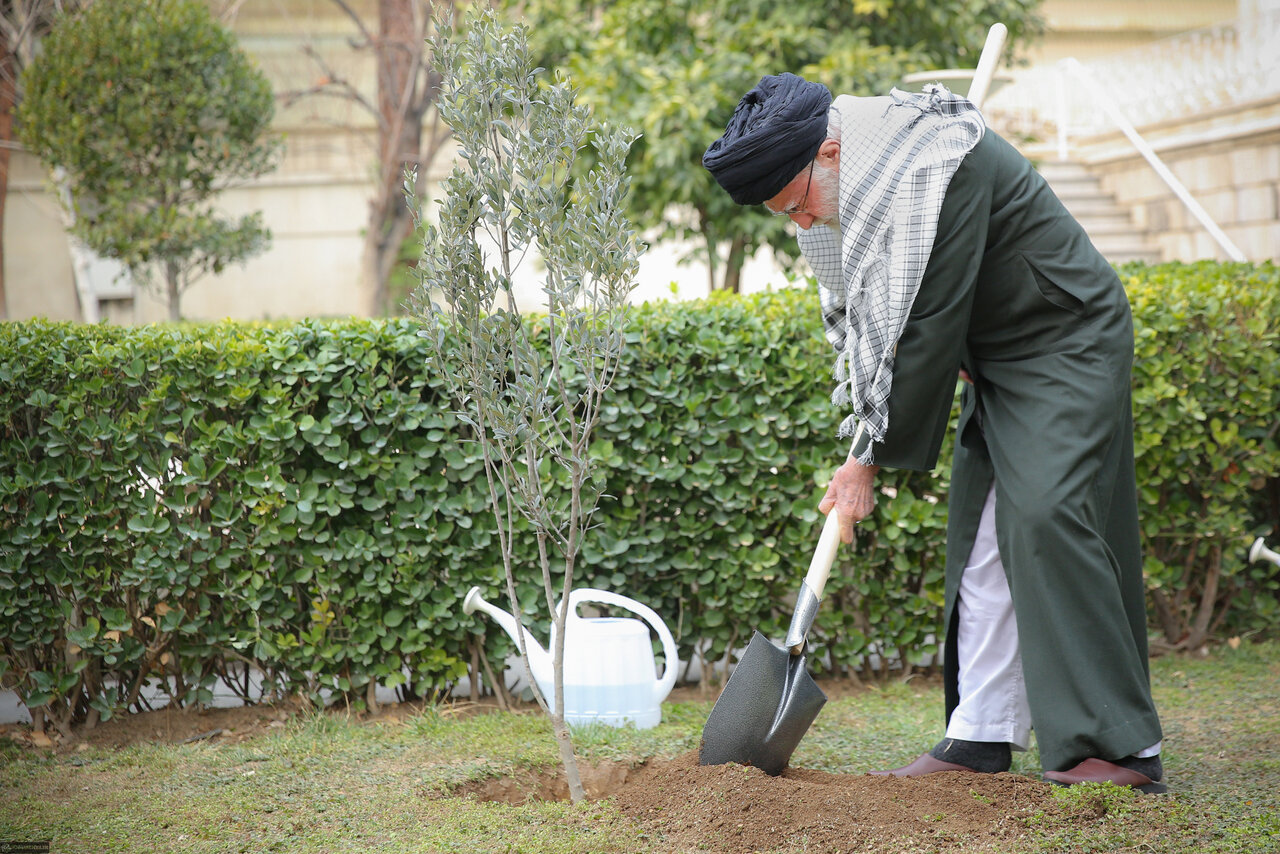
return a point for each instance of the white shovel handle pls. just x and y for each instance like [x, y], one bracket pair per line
[824, 555]
[814, 583]
[988, 61]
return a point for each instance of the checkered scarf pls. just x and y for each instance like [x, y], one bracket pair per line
[897, 156]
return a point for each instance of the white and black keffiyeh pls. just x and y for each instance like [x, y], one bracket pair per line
[897, 156]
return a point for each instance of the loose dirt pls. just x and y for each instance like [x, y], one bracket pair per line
[731, 808]
[727, 809]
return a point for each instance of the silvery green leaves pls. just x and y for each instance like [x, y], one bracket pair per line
[534, 176]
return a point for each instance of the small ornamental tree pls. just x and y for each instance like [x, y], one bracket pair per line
[530, 388]
[146, 109]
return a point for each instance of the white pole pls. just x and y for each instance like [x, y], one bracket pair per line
[1060, 77]
[988, 61]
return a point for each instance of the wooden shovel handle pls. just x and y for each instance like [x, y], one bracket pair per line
[828, 543]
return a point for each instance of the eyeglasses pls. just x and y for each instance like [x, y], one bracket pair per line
[798, 209]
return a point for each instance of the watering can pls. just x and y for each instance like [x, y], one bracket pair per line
[608, 661]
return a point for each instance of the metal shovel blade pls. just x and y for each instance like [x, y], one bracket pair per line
[764, 710]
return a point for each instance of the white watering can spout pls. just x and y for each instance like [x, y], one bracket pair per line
[1259, 551]
[539, 658]
[609, 670]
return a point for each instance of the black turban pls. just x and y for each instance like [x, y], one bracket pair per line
[774, 133]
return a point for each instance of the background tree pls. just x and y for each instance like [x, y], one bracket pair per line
[406, 88]
[147, 109]
[22, 23]
[531, 389]
[675, 69]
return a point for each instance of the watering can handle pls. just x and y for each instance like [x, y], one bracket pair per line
[664, 685]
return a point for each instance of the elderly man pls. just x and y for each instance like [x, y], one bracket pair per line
[939, 250]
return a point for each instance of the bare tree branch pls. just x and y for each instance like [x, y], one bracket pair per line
[359, 22]
[331, 84]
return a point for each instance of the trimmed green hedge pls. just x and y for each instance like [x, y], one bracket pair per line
[1207, 412]
[175, 500]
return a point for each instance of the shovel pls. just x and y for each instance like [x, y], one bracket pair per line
[770, 700]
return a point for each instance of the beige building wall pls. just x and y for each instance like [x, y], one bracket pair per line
[310, 269]
[315, 203]
[37, 261]
[1087, 29]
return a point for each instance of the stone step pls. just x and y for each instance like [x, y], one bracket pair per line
[1146, 256]
[1057, 170]
[1065, 173]
[1108, 225]
[1089, 206]
[1124, 246]
[1117, 223]
[1078, 188]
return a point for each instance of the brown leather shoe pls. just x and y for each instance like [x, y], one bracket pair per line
[1101, 771]
[925, 764]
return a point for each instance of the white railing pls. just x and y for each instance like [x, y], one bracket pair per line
[1185, 75]
[1193, 73]
[1073, 71]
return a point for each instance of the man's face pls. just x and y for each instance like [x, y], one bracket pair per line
[812, 197]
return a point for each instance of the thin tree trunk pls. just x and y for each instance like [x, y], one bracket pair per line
[728, 652]
[567, 758]
[398, 54]
[564, 739]
[710, 244]
[1208, 598]
[173, 290]
[1165, 616]
[499, 689]
[474, 670]
[8, 99]
[733, 266]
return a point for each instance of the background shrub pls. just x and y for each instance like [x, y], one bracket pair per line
[1207, 410]
[179, 503]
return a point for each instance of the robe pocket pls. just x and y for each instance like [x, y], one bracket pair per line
[1055, 280]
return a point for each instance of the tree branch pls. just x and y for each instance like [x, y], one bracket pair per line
[355, 19]
[332, 81]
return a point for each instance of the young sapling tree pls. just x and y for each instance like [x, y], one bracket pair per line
[530, 387]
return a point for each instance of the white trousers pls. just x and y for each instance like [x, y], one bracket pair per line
[993, 694]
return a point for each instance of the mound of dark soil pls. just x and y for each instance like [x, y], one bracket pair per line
[731, 808]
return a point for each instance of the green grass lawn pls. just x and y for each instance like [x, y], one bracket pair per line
[329, 782]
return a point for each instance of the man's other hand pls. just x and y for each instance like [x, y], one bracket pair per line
[852, 493]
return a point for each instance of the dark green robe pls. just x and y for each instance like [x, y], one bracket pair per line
[1016, 294]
